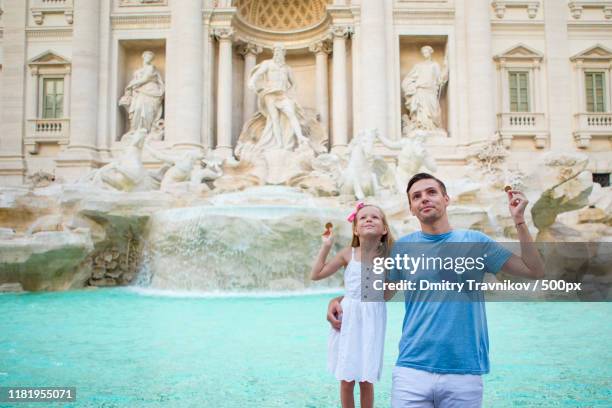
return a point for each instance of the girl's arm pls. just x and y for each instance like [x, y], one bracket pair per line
[320, 268]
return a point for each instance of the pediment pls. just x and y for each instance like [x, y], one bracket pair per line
[48, 58]
[520, 51]
[596, 52]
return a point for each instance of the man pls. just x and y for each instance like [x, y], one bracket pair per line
[272, 80]
[444, 346]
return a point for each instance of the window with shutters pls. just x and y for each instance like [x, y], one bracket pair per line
[595, 91]
[53, 98]
[518, 82]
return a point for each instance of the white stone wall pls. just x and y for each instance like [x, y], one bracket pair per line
[473, 32]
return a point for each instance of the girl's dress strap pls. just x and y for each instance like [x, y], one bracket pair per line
[352, 253]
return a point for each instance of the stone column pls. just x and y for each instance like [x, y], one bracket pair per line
[84, 107]
[560, 112]
[481, 79]
[537, 107]
[505, 91]
[459, 74]
[67, 90]
[373, 69]
[208, 102]
[542, 86]
[224, 92]
[32, 94]
[105, 135]
[321, 51]
[249, 102]
[581, 92]
[609, 82]
[339, 105]
[12, 165]
[187, 36]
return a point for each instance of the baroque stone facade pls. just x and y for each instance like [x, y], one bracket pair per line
[536, 74]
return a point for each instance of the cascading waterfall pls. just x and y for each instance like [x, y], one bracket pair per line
[250, 247]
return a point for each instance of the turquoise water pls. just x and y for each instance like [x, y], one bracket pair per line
[127, 349]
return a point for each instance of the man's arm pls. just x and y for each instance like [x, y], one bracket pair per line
[529, 264]
[334, 310]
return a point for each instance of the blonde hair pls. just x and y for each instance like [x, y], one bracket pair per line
[386, 241]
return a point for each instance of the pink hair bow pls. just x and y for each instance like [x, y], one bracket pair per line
[358, 207]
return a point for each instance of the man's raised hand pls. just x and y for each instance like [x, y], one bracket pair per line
[334, 311]
[517, 202]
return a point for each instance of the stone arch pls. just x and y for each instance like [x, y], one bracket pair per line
[282, 15]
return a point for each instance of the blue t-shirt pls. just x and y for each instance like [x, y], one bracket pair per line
[446, 335]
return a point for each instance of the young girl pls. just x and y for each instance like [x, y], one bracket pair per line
[356, 350]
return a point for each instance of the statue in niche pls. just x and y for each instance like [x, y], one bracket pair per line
[422, 88]
[143, 98]
[280, 122]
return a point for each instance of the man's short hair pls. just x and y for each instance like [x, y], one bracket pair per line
[424, 176]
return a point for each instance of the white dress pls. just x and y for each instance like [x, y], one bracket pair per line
[355, 353]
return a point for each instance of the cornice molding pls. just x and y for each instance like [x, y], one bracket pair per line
[148, 20]
[55, 32]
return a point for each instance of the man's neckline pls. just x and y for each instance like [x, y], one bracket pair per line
[436, 236]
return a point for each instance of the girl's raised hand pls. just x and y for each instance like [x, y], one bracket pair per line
[328, 236]
[328, 239]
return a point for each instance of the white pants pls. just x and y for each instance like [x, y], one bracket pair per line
[421, 389]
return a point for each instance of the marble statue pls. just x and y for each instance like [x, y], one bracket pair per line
[571, 191]
[41, 178]
[211, 171]
[411, 158]
[422, 87]
[178, 168]
[322, 177]
[143, 98]
[127, 172]
[280, 122]
[489, 158]
[364, 173]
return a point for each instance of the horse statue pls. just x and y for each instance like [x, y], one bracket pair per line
[126, 173]
[365, 173]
